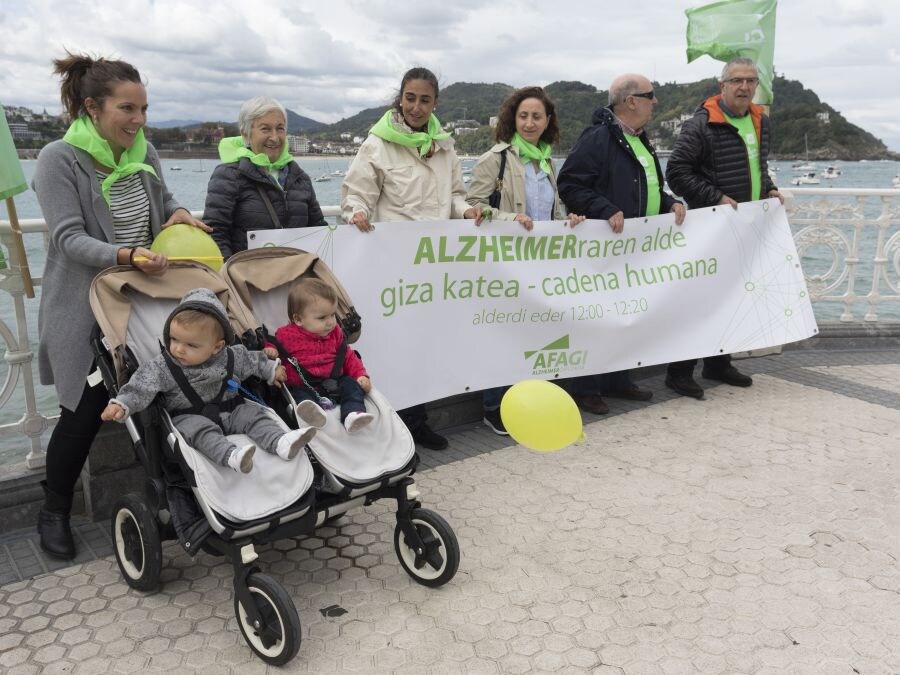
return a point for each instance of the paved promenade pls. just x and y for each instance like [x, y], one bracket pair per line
[757, 531]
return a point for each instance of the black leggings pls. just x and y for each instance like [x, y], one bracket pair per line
[72, 439]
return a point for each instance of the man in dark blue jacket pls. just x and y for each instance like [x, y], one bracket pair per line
[720, 158]
[612, 174]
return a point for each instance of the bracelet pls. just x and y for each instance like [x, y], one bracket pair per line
[131, 257]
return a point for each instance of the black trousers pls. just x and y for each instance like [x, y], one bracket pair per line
[72, 438]
[413, 417]
[715, 364]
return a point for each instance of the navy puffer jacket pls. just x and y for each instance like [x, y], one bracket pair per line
[603, 176]
[234, 205]
[710, 159]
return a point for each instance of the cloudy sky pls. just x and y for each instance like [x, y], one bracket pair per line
[329, 59]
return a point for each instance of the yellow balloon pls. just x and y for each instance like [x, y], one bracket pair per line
[540, 415]
[185, 241]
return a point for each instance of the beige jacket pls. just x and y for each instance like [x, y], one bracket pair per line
[512, 196]
[387, 181]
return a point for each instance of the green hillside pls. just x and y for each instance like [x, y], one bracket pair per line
[794, 114]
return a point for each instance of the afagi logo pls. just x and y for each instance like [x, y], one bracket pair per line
[556, 357]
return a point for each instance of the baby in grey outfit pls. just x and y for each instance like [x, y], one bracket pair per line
[193, 377]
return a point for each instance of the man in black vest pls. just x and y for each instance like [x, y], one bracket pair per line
[720, 158]
[612, 174]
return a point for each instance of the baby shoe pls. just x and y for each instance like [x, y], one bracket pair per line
[242, 458]
[356, 421]
[311, 413]
[292, 442]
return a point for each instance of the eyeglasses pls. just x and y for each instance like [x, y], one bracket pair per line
[649, 95]
[738, 81]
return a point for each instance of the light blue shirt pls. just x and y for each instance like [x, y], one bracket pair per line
[539, 195]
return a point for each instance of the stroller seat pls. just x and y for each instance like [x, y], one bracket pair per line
[382, 451]
[272, 486]
[131, 309]
[378, 450]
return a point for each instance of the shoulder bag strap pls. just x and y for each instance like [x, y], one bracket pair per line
[494, 199]
[271, 209]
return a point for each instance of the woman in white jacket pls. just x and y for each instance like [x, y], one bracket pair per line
[407, 169]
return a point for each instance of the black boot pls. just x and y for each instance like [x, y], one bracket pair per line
[53, 525]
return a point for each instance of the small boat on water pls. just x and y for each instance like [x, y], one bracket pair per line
[896, 181]
[338, 173]
[807, 165]
[831, 172]
[324, 178]
[174, 168]
[809, 178]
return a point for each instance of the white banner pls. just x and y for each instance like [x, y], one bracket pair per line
[449, 308]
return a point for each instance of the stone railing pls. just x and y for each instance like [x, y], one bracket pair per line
[858, 228]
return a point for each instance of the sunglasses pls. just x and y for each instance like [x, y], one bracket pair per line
[649, 95]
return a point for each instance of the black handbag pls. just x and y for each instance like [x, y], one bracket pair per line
[494, 199]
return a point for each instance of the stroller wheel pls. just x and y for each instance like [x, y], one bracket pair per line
[135, 535]
[436, 562]
[277, 639]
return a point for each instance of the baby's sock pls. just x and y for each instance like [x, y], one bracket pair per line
[311, 413]
[242, 458]
[356, 421]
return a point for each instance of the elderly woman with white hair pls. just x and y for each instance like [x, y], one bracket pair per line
[258, 185]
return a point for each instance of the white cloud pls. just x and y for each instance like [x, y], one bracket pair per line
[330, 60]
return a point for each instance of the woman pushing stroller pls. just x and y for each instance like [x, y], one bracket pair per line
[198, 372]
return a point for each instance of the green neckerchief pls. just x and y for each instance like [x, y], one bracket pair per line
[231, 150]
[423, 140]
[84, 136]
[529, 152]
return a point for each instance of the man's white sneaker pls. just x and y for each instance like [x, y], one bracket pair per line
[356, 421]
[242, 458]
[311, 413]
[292, 442]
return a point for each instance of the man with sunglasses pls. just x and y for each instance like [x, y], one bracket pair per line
[719, 158]
[612, 174]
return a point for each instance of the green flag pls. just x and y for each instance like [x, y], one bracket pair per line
[732, 28]
[12, 180]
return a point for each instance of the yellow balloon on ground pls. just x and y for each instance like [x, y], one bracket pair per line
[540, 415]
[185, 241]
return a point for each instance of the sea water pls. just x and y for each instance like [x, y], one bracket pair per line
[188, 178]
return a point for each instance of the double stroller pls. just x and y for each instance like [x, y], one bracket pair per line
[210, 508]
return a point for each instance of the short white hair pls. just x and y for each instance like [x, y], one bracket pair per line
[255, 108]
[618, 92]
[738, 61]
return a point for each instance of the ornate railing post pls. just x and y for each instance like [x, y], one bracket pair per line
[19, 358]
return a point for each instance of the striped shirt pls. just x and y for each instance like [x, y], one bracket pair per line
[539, 195]
[130, 207]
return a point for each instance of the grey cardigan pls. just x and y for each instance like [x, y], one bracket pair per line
[82, 243]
